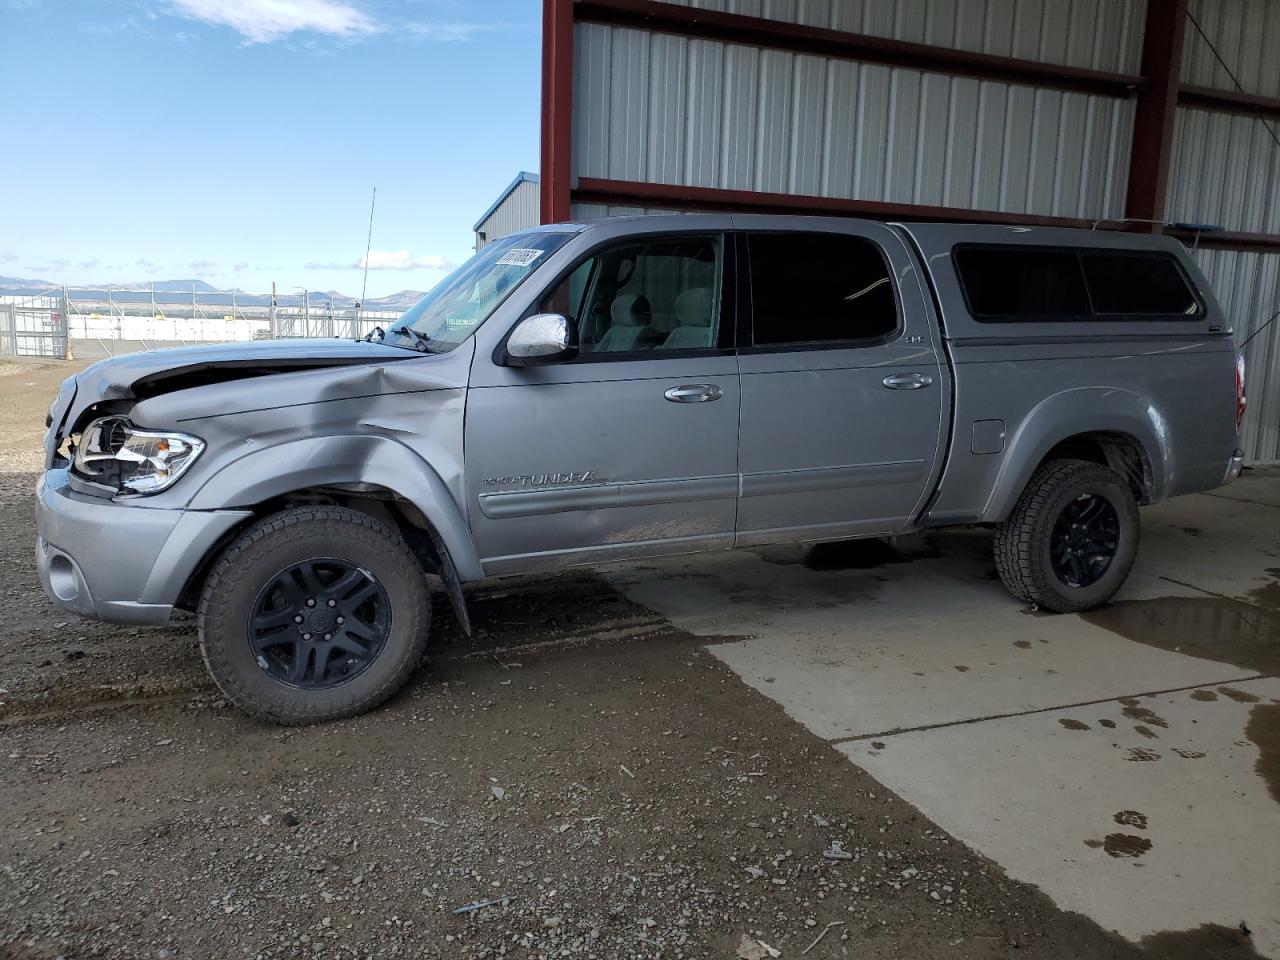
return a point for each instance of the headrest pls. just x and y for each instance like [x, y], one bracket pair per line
[693, 307]
[630, 310]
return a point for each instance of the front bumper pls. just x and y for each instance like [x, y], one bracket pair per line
[121, 562]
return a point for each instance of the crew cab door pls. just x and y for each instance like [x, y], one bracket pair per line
[631, 448]
[842, 389]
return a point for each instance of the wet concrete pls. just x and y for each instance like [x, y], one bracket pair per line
[852, 554]
[1144, 714]
[1131, 818]
[1125, 845]
[1059, 721]
[1263, 729]
[1215, 628]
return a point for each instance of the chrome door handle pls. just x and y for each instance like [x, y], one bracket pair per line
[694, 393]
[907, 381]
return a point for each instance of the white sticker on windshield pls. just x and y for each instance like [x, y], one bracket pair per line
[521, 256]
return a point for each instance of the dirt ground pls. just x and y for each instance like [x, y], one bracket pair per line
[614, 788]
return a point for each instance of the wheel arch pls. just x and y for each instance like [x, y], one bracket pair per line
[1115, 428]
[376, 475]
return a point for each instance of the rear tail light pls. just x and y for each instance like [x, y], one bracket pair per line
[1241, 400]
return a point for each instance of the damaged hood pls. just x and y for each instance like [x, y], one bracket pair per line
[138, 376]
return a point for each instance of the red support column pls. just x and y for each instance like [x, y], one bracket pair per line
[557, 108]
[1156, 107]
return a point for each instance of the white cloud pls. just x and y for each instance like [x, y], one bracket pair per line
[403, 260]
[262, 21]
[447, 32]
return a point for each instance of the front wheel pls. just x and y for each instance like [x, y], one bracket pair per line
[1072, 538]
[314, 613]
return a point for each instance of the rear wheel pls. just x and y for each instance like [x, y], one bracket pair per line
[1072, 538]
[312, 614]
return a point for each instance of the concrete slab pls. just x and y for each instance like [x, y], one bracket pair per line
[919, 667]
[1141, 833]
[1257, 485]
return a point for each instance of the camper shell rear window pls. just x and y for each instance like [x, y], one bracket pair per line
[1015, 283]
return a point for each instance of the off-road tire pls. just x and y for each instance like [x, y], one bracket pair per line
[269, 546]
[1023, 541]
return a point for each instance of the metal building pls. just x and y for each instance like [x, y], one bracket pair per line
[515, 209]
[1078, 113]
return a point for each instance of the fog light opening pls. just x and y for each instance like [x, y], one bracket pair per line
[62, 578]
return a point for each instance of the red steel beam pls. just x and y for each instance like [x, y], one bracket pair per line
[776, 35]
[557, 109]
[1229, 101]
[683, 197]
[1157, 105]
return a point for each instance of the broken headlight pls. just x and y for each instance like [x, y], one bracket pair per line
[113, 452]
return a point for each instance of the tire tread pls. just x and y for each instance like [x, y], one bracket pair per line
[227, 576]
[1018, 541]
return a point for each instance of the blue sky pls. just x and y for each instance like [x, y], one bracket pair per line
[237, 141]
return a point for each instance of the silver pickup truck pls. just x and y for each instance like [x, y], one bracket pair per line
[584, 393]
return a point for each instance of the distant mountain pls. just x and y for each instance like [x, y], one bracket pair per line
[395, 301]
[21, 285]
[206, 293]
[185, 286]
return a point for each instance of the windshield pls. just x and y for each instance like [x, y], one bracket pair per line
[459, 303]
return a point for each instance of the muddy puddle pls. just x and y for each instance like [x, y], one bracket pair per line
[1229, 631]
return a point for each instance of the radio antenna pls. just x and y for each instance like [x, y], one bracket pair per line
[367, 247]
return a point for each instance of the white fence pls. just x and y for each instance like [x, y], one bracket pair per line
[105, 326]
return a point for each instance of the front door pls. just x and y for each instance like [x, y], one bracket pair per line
[842, 390]
[630, 449]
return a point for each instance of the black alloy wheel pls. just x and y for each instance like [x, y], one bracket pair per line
[319, 623]
[1072, 537]
[1084, 540]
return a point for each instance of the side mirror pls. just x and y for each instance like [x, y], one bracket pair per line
[542, 338]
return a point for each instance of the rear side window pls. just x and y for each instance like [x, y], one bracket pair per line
[1029, 284]
[1138, 284]
[816, 288]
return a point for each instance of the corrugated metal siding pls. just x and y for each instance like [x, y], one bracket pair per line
[1248, 287]
[595, 211]
[1247, 35]
[651, 107]
[1225, 171]
[677, 110]
[519, 211]
[1097, 34]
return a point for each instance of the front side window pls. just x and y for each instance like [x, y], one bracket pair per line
[459, 303]
[652, 295]
[1014, 283]
[819, 288]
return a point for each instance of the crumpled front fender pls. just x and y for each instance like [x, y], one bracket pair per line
[345, 460]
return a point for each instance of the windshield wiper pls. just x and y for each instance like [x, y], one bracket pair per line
[420, 338]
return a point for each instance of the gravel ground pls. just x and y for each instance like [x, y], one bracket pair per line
[591, 773]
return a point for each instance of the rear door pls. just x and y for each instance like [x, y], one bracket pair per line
[842, 389]
[630, 449]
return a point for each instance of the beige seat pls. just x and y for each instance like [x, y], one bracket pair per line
[693, 314]
[630, 328]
